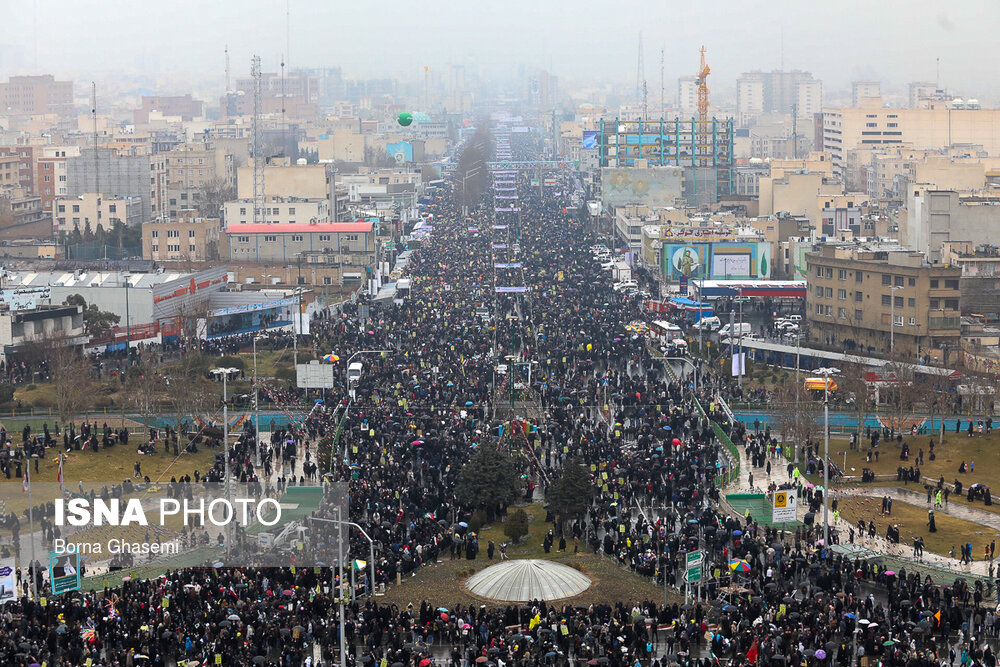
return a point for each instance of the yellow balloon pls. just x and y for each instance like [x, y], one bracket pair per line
[589, 347]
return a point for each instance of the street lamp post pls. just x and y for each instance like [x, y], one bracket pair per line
[256, 403]
[798, 389]
[825, 372]
[349, 359]
[128, 334]
[225, 372]
[371, 548]
[465, 201]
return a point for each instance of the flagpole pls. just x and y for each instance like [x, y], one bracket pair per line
[31, 528]
[62, 491]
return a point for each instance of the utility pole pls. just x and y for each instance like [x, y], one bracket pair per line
[256, 402]
[97, 159]
[225, 447]
[259, 215]
[340, 593]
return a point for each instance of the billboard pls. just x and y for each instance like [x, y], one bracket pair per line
[589, 139]
[681, 234]
[685, 260]
[652, 186]
[401, 152]
[25, 298]
[64, 571]
[741, 261]
[717, 261]
[8, 580]
[314, 376]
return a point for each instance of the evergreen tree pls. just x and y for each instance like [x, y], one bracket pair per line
[516, 526]
[490, 479]
[570, 495]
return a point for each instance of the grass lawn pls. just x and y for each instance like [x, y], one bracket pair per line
[912, 521]
[96, 470]
[115, 464]
[443, 582]
[984, 450]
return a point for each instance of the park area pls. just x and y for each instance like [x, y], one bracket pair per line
[444, 581]
[958, 522]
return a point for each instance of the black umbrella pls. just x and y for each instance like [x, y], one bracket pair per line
[259, 660]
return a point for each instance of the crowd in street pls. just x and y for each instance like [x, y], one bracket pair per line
[431, 393]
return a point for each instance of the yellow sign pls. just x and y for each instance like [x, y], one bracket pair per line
[780, 499]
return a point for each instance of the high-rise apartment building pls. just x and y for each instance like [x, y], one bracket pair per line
[190, 169]
[687, 96]
[37, 95]
[184, 106]
[779, 92]
[862, 89]
[938, 125]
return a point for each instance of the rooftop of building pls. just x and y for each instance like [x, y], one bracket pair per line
[300, 227]
[84, 279]
[886, 252]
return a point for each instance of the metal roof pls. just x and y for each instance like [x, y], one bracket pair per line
[526, 580]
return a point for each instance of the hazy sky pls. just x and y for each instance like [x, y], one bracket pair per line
[892, 40]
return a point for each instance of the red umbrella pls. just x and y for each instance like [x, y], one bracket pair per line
[444, 617]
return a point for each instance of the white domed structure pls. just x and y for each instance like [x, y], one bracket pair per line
[525, 580]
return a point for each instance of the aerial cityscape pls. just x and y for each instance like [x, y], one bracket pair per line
[467, 335]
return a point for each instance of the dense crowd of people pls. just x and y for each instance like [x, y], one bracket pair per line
[593, 395]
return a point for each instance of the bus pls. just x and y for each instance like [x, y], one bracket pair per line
[662, 333]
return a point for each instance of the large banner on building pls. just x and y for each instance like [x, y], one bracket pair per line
[690, 260]
[717, 261]
[8, 580]
[652, 186]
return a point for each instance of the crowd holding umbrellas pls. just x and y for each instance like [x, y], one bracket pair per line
[422, 409]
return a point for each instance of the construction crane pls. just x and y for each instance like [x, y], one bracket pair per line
[702, 82]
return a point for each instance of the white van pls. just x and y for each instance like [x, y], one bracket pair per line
[354, 372]
[709, 323]
[736, 329]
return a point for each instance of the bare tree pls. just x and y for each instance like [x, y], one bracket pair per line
[212, 195]
[903, 390]
[852, 382]
[798, 414]
[72, 378]
[145, 386]
[188, 388]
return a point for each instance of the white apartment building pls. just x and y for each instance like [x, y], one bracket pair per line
[278, 211]
[687, 96]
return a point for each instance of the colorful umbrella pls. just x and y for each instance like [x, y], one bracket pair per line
[739, 565]
[330, 358]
